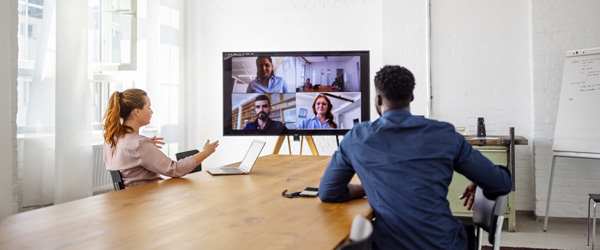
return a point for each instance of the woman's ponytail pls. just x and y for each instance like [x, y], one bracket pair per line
[112, 120]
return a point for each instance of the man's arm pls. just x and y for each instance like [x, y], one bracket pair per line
[335, 185]
[494, 180]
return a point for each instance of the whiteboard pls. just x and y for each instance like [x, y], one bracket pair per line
[578, 119]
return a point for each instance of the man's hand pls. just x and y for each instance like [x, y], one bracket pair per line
[469, 196]
[157, 141]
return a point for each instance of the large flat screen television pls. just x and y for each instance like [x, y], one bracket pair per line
[294, 93]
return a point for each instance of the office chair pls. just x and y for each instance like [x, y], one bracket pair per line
[117, 179]
[488, 215]
[360, 235]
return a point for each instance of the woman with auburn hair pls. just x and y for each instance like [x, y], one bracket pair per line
[137, 157]
[323, 117]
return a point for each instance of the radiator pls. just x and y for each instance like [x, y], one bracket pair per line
[101, 181]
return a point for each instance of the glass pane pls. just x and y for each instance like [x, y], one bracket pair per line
[35, 82]
[22, 101]
[120, 39]
[38, 2]
[94, 36]
[35, 12]
[33, 37]
[21, 10]
[120, 5]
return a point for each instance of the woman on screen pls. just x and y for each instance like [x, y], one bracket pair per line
[266, 81]
[135, 156]
[323, 118]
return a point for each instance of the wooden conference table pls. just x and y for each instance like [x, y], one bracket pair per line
[196, 212]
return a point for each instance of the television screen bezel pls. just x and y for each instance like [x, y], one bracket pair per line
[228, 89]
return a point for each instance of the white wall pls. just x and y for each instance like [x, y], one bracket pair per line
[405, 41]
[559, 26]
[480, 68]
[503, 60]
[8, 106]
[215, 26]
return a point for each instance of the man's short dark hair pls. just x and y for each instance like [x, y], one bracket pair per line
[263, 98]
[396, 84]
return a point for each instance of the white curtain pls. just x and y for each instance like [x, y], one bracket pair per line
[35, 111]
[54, 105]
[73, 127]
[61, 101]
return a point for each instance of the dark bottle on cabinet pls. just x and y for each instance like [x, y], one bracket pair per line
[480, 127]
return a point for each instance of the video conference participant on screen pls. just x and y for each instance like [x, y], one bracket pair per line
[262, 108]
[338, 83]
[266, 81]
[307, 84]
[323, 118]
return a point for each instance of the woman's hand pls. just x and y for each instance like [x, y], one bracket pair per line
[209, 147]
[469, 196]
[157, 141]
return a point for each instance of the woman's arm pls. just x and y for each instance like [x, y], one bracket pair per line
[153, 159]
[207, 150]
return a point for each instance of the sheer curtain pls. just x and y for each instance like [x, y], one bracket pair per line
[62, 96]
[35, 109]
[73, 106]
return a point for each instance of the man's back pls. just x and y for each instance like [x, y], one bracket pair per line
[405, 164]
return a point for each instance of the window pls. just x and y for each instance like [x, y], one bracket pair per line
[112, 51]
[152, 62]
[34, 80]
[113, 35]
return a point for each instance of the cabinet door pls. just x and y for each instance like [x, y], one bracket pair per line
[496, 154]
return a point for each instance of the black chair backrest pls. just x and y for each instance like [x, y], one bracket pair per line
[186, 154]
[117, 179]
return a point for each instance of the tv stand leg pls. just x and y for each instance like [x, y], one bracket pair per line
[278, 144]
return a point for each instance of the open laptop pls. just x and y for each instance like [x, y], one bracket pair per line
[246, 164]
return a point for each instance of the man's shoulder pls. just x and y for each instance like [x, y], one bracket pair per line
[359, 129]
[251, 125]
[431, 122]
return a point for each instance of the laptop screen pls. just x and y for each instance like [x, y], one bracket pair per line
[251, 156]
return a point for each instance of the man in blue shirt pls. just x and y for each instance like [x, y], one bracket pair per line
[266, 81]
[405, 164]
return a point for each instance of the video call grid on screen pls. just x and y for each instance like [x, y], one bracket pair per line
[316, 93]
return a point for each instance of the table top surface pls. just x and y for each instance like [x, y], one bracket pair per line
[198, 211]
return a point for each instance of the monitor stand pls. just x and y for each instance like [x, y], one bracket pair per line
[309, 140]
